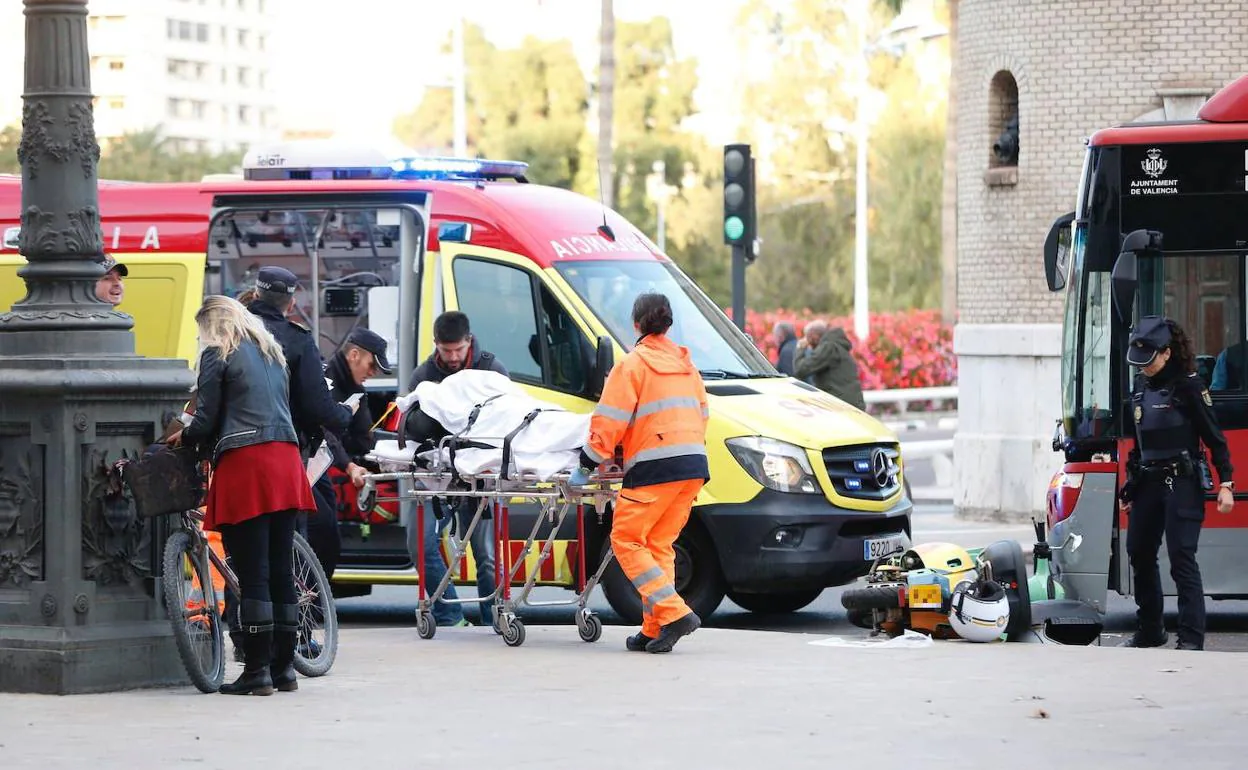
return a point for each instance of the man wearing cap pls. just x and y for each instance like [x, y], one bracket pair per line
[110, 288]
[1167, 479]
[362, 356]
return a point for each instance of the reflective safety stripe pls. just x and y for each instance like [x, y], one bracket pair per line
[654, 573]
[612, 413]
[665, 592]
[666, 452]
[663, 404]
[706, 413]
[589, 450]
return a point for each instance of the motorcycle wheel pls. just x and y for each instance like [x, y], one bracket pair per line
[869, 598]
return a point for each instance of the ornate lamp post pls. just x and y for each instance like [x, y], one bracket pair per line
[79, 609]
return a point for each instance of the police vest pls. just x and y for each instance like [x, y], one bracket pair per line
[1162, 430]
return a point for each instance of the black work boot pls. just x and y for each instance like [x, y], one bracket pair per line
[257, 623]
[671, 633]
[1142, 639]
[637, 642]
[285, 636]
[237, 639]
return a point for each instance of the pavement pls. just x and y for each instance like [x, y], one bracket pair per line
[722, 699]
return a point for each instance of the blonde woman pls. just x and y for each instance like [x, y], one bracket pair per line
[242, 423]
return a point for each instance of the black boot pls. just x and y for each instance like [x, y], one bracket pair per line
[1143, 639]
[637, 642]
[671, 633]
[257, 622]
[285, 635]
[238, 640]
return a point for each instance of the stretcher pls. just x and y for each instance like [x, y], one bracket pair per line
[435, 478]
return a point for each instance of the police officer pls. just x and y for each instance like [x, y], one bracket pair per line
[312, 408]
[1167, 479]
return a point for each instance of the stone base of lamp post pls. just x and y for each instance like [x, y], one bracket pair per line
[80, 603]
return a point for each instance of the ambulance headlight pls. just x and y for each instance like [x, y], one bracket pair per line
[776, 465]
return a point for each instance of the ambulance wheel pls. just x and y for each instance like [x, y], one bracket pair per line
[513, 633]
[699, 580]
[870, 598]
[784, 601]
[426, 626]
[590, 628]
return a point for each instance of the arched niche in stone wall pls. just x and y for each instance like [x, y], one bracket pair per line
[1003, 120]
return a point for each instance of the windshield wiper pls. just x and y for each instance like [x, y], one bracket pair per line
[722, 374]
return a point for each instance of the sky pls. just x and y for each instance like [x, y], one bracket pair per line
[354, 72]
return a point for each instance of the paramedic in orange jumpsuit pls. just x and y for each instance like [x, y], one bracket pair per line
[654, 405]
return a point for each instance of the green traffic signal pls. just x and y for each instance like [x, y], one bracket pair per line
[734, 228]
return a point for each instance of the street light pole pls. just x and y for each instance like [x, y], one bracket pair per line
[79, 609]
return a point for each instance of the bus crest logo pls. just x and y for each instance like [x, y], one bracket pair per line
[1153, 164]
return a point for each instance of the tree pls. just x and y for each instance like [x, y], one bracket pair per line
[10, 137]
[145, 156]
[527, 103]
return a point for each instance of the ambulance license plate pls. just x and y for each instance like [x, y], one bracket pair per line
[924, 597]
[882, 546]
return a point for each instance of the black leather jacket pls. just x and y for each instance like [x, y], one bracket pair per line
[239, 402]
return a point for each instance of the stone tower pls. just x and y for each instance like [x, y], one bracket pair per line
[1050, 72]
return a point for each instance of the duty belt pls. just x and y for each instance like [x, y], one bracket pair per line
[1176, 468]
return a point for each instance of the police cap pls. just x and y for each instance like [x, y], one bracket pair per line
[111, 264]
[1150, 335]
[374, 343]
[277, 279]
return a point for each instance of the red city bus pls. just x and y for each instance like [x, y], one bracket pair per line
[1158, 228]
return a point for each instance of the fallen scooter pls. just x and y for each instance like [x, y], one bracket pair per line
[915, 590]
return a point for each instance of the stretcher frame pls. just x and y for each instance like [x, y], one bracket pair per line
[496, 492]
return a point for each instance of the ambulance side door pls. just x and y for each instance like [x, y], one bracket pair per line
[517, 315]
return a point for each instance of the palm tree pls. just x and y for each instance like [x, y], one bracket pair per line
[606, 101]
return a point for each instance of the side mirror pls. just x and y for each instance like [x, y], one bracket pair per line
[1125, 278]
[604, 359]
[1057, 251]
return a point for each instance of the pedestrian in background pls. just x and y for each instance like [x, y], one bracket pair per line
[258, 485]
[786, 342]
[654, 405]
[1167, 479]
[825, 358]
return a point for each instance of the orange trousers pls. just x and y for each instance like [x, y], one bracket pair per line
[646, 524]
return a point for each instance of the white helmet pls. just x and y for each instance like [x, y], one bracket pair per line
[979, 611]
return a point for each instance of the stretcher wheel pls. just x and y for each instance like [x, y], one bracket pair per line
[590, 628]
[513, 633]
[426, 626]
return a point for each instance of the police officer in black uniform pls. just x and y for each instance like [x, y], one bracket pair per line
[1168, 477]
[312, 408]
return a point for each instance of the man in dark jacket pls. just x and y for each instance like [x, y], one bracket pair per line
[786, 340]
[455, 350]
[825, 358]
[312, 408]
[361, 357]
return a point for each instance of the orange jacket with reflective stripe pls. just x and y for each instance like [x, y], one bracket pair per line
[654, 405]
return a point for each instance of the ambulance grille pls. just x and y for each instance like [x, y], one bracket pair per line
[864, 472]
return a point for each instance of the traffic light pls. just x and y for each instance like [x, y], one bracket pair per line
[739, 226]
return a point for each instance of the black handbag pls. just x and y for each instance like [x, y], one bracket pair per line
[164, 481]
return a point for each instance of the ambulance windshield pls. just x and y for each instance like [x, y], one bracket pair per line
[718, 348]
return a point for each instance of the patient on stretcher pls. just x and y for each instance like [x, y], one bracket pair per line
[487, 418]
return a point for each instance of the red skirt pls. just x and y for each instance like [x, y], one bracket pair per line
[254, 480]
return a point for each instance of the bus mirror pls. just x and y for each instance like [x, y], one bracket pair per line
[604, 359]
[1057, 252]
[1124, 279]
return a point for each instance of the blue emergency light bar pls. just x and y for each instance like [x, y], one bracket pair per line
[457, 168]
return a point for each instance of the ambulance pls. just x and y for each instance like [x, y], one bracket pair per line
[805, 490]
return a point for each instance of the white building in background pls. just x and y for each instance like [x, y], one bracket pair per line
[197, 69]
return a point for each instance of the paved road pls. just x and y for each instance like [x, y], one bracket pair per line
[395, 606]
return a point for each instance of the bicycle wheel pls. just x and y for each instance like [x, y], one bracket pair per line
[318, 619]
[191, 602]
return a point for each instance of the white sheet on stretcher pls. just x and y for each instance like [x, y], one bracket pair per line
[549, 444]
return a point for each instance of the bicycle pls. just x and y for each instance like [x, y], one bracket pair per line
[193, 605]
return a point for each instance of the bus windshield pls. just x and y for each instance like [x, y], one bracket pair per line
[718, 348]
